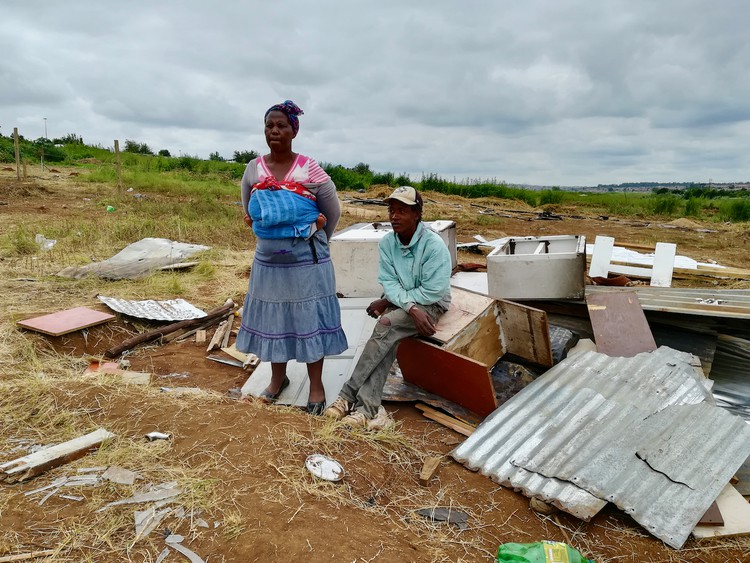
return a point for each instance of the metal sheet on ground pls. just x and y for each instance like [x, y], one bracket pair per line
[620, 326]
[168, 310]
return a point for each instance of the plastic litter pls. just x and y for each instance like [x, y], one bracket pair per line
[324, 467]
[540, 552]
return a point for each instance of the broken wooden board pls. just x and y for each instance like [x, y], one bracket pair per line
[470, 327]
[430, 467]
[525, 332]
[736, 513]
[457, 378]
[619, 324]
[712, 517]
[446, 420]
[64, 322]
[40, 461]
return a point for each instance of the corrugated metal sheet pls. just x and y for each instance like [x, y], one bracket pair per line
[731, 373]
[725, 303]
[559, 404]
[664, 470]
[170, 310]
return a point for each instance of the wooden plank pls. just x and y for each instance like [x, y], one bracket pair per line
[64, 322]
[464, 308]
[661, 274]
[218, 336]
[227, 332]
[712, 517]
[27, 556]
[447, 374]
[236, 354]
[525, 332]
[38, 462]
[480, 340]
[430, 467]
[736, 513]
[200, 336]
[601, 257]
[447, 421]
[619, 324]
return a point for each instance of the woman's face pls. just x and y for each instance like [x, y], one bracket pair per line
[279, 132]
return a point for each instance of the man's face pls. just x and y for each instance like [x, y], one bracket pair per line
[404, 218]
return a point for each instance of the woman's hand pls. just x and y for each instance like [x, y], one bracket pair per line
[248, 221]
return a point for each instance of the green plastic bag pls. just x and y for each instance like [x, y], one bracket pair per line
[540, 552]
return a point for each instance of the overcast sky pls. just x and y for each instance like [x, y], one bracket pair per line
[539, 92]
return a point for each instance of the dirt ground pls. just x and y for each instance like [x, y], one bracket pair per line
[242, 465]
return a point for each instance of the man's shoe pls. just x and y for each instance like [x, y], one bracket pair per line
[355, 420]
[382, 420]
[339, 408]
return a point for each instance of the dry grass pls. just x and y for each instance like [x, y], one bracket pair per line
[44, 399]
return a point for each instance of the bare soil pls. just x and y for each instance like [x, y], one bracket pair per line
[251, 456]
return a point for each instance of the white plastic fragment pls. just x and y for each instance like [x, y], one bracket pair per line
[151, 436]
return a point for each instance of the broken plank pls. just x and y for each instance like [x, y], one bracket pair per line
[619, 324]
[200, 336]
[447, 421]
[214, 315]
[430, 467]
[736, 513]
[218, 336]
[227, 332]
[457, 378]
[236, 354]
[525, 332]
[27, 556]
[34, 464]
[712, 517]
[64, 322]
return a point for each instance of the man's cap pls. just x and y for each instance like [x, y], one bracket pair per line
[407, 195]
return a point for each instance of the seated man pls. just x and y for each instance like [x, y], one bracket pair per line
[415, 269]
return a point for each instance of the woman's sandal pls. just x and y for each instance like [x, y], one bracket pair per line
[316, 409]
[268, 397]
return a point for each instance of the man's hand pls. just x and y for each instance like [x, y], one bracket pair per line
[378, 307]
[422, 320]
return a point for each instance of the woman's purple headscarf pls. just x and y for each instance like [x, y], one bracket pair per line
[291, 110]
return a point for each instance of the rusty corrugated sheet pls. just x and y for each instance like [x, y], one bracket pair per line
[170, 310]
[579, 389]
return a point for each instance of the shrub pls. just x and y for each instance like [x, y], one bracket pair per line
[736, 210]
[693, 207]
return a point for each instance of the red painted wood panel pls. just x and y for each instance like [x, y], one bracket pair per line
[451, 376]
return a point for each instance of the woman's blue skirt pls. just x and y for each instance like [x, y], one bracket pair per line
[291, 311]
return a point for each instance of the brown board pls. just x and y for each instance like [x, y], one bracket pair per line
[619, 324]
[452, 376]
[525, 332]
[66, 321]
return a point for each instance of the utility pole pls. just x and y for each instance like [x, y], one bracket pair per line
[45, 128]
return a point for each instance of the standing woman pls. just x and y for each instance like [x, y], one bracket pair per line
[291, 311]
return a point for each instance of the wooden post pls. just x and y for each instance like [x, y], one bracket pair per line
[18, 154]
[119, 167]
